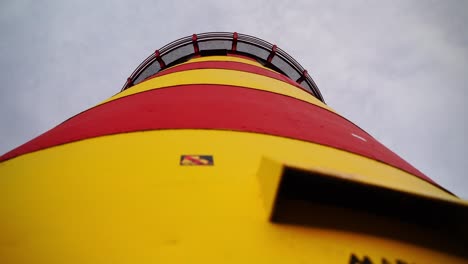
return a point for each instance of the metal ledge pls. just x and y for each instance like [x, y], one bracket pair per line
[215, 43]
[318, 198]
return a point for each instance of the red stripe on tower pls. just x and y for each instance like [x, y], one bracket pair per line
[249, 110]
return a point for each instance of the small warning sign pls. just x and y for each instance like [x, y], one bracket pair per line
[196, 160]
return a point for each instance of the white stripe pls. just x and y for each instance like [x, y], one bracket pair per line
[361, 138]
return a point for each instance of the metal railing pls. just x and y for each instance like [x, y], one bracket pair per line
[213, 43]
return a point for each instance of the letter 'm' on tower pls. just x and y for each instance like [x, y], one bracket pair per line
[220, 149]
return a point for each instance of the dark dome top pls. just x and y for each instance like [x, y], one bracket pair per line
[223, 43]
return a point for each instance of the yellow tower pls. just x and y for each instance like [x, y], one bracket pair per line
[220, 149]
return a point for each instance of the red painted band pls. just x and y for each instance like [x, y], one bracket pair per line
[193, 160]
[224, 108]
[228, 65]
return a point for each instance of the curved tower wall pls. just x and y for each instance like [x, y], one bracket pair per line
[220, 148]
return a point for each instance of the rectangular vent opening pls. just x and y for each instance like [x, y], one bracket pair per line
[315, 199]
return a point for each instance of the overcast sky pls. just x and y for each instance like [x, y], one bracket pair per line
[398, 69]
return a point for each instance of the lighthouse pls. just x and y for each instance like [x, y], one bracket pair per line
[220, 148]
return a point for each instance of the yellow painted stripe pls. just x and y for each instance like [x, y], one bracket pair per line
[125, 199]
[228, 58]
[222, 58]
[293, 152]
[222, 77]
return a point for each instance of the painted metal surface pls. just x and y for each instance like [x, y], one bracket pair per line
[207, 107]
[237, 66]
[226, 43]
[189, 166]
[126, 199]
[222, 77]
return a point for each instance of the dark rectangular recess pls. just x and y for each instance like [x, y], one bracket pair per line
[314, 199]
